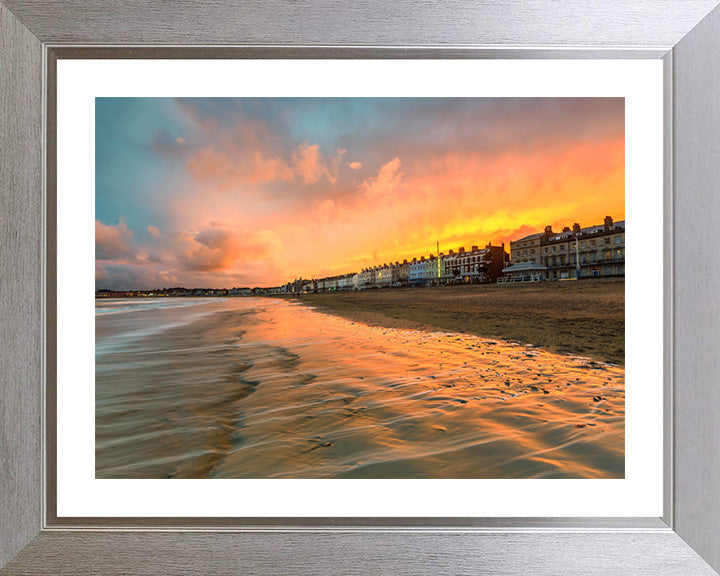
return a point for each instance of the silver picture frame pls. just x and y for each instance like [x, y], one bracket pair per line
[684, 34]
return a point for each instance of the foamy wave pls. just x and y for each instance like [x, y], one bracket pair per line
[103, 307]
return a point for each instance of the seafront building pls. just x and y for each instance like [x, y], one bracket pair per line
[595, 251]
[478, 265]
[416, 274]
[383, 278]
[432, 270]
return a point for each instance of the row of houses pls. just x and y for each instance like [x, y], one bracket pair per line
[577, 252]
[595, 251]
[474, 266]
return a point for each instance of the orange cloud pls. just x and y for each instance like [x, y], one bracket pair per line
[238, 166]
[112, 241]
[385, 182]
[218, 248]
[311, 166]
[216, 166]
[355, 165]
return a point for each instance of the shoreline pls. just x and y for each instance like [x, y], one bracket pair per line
[585, 318]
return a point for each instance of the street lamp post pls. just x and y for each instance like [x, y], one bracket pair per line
[577, 259]
[439, 263]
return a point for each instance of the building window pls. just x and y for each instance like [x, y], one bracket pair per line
[607, 239]
[545, 250]
[532, 251]
[562, 247]
[582, 245]
[592, 242]
[618, 239]
[553, 248]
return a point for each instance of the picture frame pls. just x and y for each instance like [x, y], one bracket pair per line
[684, 34]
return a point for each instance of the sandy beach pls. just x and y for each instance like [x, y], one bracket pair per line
[584, 317]
[269, 388]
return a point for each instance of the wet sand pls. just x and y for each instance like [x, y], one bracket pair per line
[262, 388]
[584, 317]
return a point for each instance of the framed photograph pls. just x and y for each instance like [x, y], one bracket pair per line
[289, 295]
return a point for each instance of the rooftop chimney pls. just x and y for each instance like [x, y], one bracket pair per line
[548, 230]
[576, 228]
[474, 248]
[608, 223]
[462, 250]
[566, 229]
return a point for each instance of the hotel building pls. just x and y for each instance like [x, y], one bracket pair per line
[595, 251]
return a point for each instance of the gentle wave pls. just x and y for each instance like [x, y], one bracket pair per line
[120, 305]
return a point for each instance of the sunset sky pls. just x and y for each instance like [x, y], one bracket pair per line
[225, 192]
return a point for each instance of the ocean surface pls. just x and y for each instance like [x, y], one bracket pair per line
[265, 388]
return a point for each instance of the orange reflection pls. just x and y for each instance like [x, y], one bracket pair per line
[259, 388]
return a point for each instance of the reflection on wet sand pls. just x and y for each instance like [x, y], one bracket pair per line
[261, 388]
